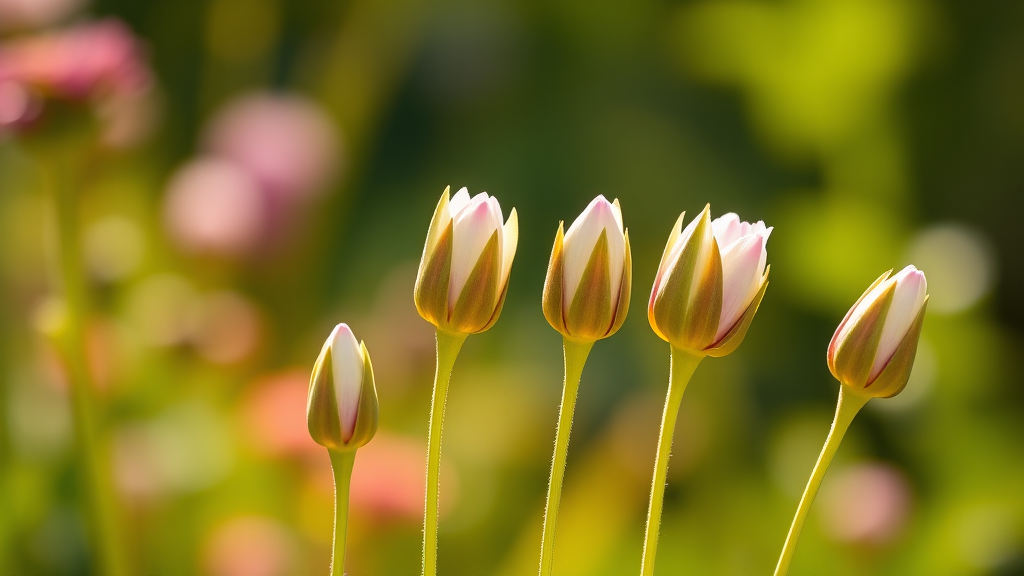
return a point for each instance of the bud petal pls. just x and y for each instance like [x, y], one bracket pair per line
[728, 343]
[476, 304]
[341, 408]
[552, 299]
[896, 373]
[590, 314]
[625, 287]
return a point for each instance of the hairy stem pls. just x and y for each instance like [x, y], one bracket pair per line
[683, 365]
[341, 464]
[848, 406]
[448, 346]
[575, 358]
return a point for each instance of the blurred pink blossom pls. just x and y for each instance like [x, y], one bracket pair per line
[286, 142]
[93, 63]
[214, 206]
[249, 546]
[387, 479]
[866, 503]
[33, 13]
[274, 415]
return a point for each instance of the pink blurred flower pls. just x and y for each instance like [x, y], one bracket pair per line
[32, 13]
[866, 503]
[387, 479]
[90, 63]
[249, 546]
[284, 141]
[274, 415]
[214, 206]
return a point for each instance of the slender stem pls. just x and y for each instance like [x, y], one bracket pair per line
[341, 464]
[683, 365]
[575, 358]
[94, 463]
[848, 406]
[448, 346]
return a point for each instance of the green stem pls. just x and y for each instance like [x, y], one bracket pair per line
[341, 464]
[94, 463]
[575, 358]
[448, 346]
[848, 406]
[683, 365]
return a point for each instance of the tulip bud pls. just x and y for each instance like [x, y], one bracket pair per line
[463, 274]
[874, 346]
[586, 293]
[710, 282]
[341, 409]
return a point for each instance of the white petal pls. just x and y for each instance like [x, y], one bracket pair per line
[473, 227]
[728, 229]
[347, 364]
[458, 202]
[677, 250]
[742, 272]
[618, 216]
[580, 241]
[510, 235]
[911, 287]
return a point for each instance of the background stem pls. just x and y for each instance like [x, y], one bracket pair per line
[683, 364]
[448, 346]
[575, 358]
[848, 406]
[93, 460]
[341, 464]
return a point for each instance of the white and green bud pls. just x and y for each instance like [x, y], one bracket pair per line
[341, 408]
[586, 293]
[467, 257]
[873, 349]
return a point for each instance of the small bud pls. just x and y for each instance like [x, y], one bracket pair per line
[711, 280]
[467, 257]
[586, 293]
[341, 409]
[873, 348]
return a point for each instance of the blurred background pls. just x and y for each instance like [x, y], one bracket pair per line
[256, 171]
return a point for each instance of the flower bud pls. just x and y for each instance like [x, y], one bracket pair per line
[874, 346]
[710, 282]
[586, 293]
[341, 409]
[463, 274]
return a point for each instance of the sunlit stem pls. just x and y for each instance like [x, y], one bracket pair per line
[848, 406]
[341, 464]
[575, 357]
[683, 365]
[93, 460]
[448, 346]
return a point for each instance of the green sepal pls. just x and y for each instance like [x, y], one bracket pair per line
[322, 417]
[431, 291]
[856, 353]
[832, 344]
[894, 377]
[497, 308]
[475, 305]
[673, 238]
[686, 313]
[368, 413]
[733, 338]
[590, 313]
[625, 287]
[551, 301]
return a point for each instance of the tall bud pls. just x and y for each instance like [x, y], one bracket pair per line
[873, 348]
[467, 257]
[586, 293]
[711, 280]
[341, 408]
